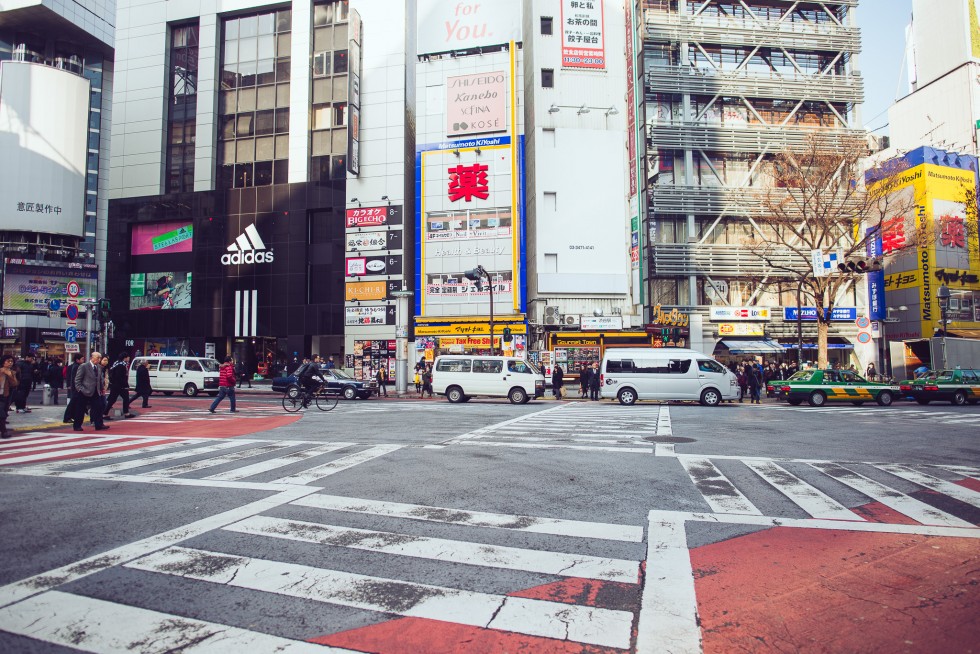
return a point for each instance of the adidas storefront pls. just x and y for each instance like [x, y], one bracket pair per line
[250, 272]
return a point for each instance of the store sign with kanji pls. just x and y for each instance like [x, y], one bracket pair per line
[952, 232]
[468, 182]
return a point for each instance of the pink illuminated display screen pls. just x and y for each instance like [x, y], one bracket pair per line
[163, 238]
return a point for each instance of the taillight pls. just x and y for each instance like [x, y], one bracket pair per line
[602, 379]
[905, 387]
[785, 389]
[930, 388]
[769, 389]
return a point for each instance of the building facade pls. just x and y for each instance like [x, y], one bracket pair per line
[727, 85]
[56, 88]
[228, 178]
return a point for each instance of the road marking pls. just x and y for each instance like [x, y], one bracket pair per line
[477, 433]
[808, 498]
[169, 456]
[668, 620]
[664, 427]
[665, 449]
[112, 453]
[18, 450]
[50, 454]
[955, 491]
[593, 626]
[339, 465]
[720, 494]
[231, 457]
[93, 625]
[553, 526]
[279, 462]
[439, 549]
[559, 446]
[911, 507]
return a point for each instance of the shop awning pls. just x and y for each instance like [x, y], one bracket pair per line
[764, 346]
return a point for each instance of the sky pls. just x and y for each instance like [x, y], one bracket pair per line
[882, 58]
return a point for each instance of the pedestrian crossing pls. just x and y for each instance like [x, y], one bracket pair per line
[580, 426]
[894, 412]
[525, 594]
[191, 414]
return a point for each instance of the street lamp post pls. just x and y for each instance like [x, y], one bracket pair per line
[477, 275]
[943, 295]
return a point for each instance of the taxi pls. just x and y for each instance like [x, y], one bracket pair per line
[818, 387]
[959, 387]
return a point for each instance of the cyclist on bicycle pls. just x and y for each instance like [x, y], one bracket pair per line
[309, 376]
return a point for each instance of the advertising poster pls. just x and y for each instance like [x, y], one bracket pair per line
[476, 104]
[162, 238]
[582, 41]
[29, 285]
[367, 241]
[383, 265]
[369, 316]
[161, 290]
[445, 26]
[374, 216]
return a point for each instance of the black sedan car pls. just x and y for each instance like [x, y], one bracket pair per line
[338, 382]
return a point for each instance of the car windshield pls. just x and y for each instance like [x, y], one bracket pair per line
[210, 365]
[803, 375]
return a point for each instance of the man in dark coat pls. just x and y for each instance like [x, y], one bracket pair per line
[143, 388]
[594, 379]
[25, 374]
[557, 377]
[54, 379]
[88, 386]
[76, 360]
[119, 386]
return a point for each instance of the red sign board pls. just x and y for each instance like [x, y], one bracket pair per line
[374, 216]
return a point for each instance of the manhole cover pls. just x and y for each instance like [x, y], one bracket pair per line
[668, 439]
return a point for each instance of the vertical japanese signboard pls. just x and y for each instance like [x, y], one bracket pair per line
[354, 94]
[582, 41]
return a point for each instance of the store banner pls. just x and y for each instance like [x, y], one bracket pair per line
[839, 314]
[366, 266]
[582, 42]
[448, 25]
[30, 285]
[368, 241]
[740, 313]
[374, 216]
[476, 104]
[360, 316]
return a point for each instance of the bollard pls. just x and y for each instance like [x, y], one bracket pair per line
[46, 395]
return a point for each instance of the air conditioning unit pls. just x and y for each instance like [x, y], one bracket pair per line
[551, 316]
[571, 320]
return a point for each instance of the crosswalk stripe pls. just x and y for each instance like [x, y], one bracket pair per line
[339, 465]
[439, 549]
[93, 625]
[559, 446]
[715, 487]
[955, 491]
[231, 457]
[155, 444]
[808, 498]
[30, 440]
[553, 526]
[593, 626]
[169, 456]
[50, 454]
[279, 462]
[72, 442]
[909, 506]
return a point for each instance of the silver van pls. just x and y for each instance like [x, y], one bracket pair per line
[170, 374]
[461, 376]
[631, 374]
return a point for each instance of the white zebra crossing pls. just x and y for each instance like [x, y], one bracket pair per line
[894, 412]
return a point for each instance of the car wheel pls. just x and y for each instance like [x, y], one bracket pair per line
[710, 397]
[885, 398]
[795, 401]
[959, 398]
[349, 393]
[626, 397]
[922, 400]
[817, 398]
[858, 402]
[455, 394]
[190, 390]
[517, 396]
[168, 393]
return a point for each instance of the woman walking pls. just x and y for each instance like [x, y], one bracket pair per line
[8, 383]
[557, 380]
[427, 381]
[143, 388]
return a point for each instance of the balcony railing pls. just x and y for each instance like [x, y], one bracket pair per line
[721, 260]
[683, 79]
[746, 138]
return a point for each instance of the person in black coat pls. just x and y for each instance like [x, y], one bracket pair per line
[76, 360]
[143, 388]
[55, 379]
[557, 377]
[594, 379]
[119, 386]
[25, 374]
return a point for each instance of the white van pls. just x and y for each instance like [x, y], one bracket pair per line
[188, 375]
[631, 374]
[460, 377]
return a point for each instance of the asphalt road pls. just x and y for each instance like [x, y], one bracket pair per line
[416, 526]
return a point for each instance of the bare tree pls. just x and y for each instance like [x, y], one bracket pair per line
[817, 201]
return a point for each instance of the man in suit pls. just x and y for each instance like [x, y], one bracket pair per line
[89, 386]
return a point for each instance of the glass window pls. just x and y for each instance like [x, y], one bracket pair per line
[246, 124]
[619, 365]
[231, 29]
[282, 147]
[246, 73]
[321, 64]
[338, 167]
[265, 72]
[249, 26]
[265, 150]
[282, 95]
[267, 47]
[246, 100]
[342, 11]
[192, 366]
[263, 173]
[284, 45]
[280, 171]
[340, 114]
[243, 175]
[453, 365]
[284, 20]
[320, 143]
[227, 102]
[231, 52]
[322, 90]
[323, 39]
[247, 49]
[322, 116]
[488, 366]
[322, 14]
[710, 366]
[340, 62]
[228, 152]
[154, 364]
[547, 78]
[265, 97]
[282, 121]
[267, 23]
[169, 365]
[518, 367]
[547, 25]
[265, 122]
[246, 150]
[283, 70]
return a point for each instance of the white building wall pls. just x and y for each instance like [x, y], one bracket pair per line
[941, 37]
[942, 114]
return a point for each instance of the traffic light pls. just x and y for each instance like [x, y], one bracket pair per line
[104, 310]
[475, 276]
[860, 266]
[508, 337]
[677, 334]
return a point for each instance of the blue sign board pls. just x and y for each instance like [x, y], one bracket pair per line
[872, 245]
[839, 314]
[71, 335]
[54, 304]
[876, 295]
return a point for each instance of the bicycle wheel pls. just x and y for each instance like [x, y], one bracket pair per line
[292, 403]
[326, 402]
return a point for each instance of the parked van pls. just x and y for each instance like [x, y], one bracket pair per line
[460, 377]
[631, 374]
[188, 375]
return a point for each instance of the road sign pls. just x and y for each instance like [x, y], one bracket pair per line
[71, 312]
[73, 289]
[863, 322]
[864, 337]
[71, 335]
[54, 304]
[71, 348]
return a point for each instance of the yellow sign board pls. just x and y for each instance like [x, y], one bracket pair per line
[367, 291]
[476, 329]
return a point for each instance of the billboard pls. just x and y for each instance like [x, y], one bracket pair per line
[476, 104]
[446, 25]
[582, 42]
[44, 132]
[374, 216]
[162, 238]
[161, 290]
[29, 285]
[375, 265]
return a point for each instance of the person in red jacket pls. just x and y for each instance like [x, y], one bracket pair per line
[226, 384]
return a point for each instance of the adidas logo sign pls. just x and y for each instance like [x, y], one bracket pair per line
[247, 248]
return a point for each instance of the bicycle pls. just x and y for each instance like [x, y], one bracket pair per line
[297, 398]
